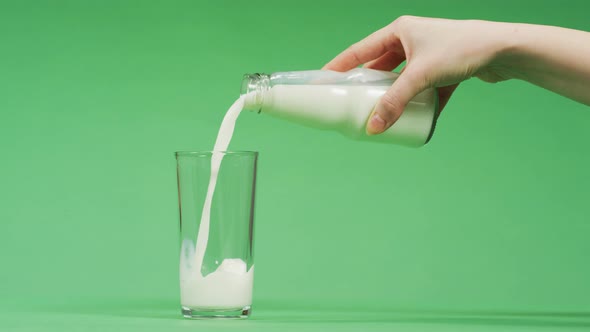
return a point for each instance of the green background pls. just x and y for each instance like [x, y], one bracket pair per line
[490, 219]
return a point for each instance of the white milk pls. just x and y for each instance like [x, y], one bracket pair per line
[230, 286]
[346, 109]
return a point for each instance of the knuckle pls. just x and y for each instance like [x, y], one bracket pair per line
[392, 107]
[403, 20]
[353, 52]
[401, 25]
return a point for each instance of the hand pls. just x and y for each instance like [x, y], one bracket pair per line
[439, 53]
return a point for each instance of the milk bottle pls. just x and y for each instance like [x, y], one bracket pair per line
[341, 102]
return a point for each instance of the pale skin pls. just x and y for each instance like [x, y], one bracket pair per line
[441, 53]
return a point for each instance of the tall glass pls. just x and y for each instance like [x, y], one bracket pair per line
[216, 233]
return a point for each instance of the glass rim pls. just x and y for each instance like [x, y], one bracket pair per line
[210, 153]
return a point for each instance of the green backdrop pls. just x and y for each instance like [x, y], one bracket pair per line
[95, 96]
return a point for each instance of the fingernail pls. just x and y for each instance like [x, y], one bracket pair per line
[376, 125]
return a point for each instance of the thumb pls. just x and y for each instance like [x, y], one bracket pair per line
[392, 103]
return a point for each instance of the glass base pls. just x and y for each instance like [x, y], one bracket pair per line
[195, 313]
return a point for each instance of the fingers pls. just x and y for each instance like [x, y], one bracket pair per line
[388, 61]
[372, 47]
[391, 105]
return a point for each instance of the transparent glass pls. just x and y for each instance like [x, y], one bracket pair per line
[216, 248]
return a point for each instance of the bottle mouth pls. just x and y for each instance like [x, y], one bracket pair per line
[249, 83]
[252, 90]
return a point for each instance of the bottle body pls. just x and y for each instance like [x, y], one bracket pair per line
[341, 102]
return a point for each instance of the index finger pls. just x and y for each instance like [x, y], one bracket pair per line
[372, 47]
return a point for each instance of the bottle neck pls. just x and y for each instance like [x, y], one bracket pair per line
[253, 88]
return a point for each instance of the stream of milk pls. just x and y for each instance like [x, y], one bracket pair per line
[230, 285]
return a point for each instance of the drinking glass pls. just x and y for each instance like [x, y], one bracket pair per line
[216, 232]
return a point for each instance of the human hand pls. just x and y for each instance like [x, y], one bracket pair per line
[439, 53]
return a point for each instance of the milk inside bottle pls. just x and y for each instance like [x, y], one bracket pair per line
[340, 101]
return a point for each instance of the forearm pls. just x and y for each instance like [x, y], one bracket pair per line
[554, 58]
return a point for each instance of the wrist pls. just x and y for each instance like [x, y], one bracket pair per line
[510, 55]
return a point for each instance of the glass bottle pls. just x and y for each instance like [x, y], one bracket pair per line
[340, 101]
